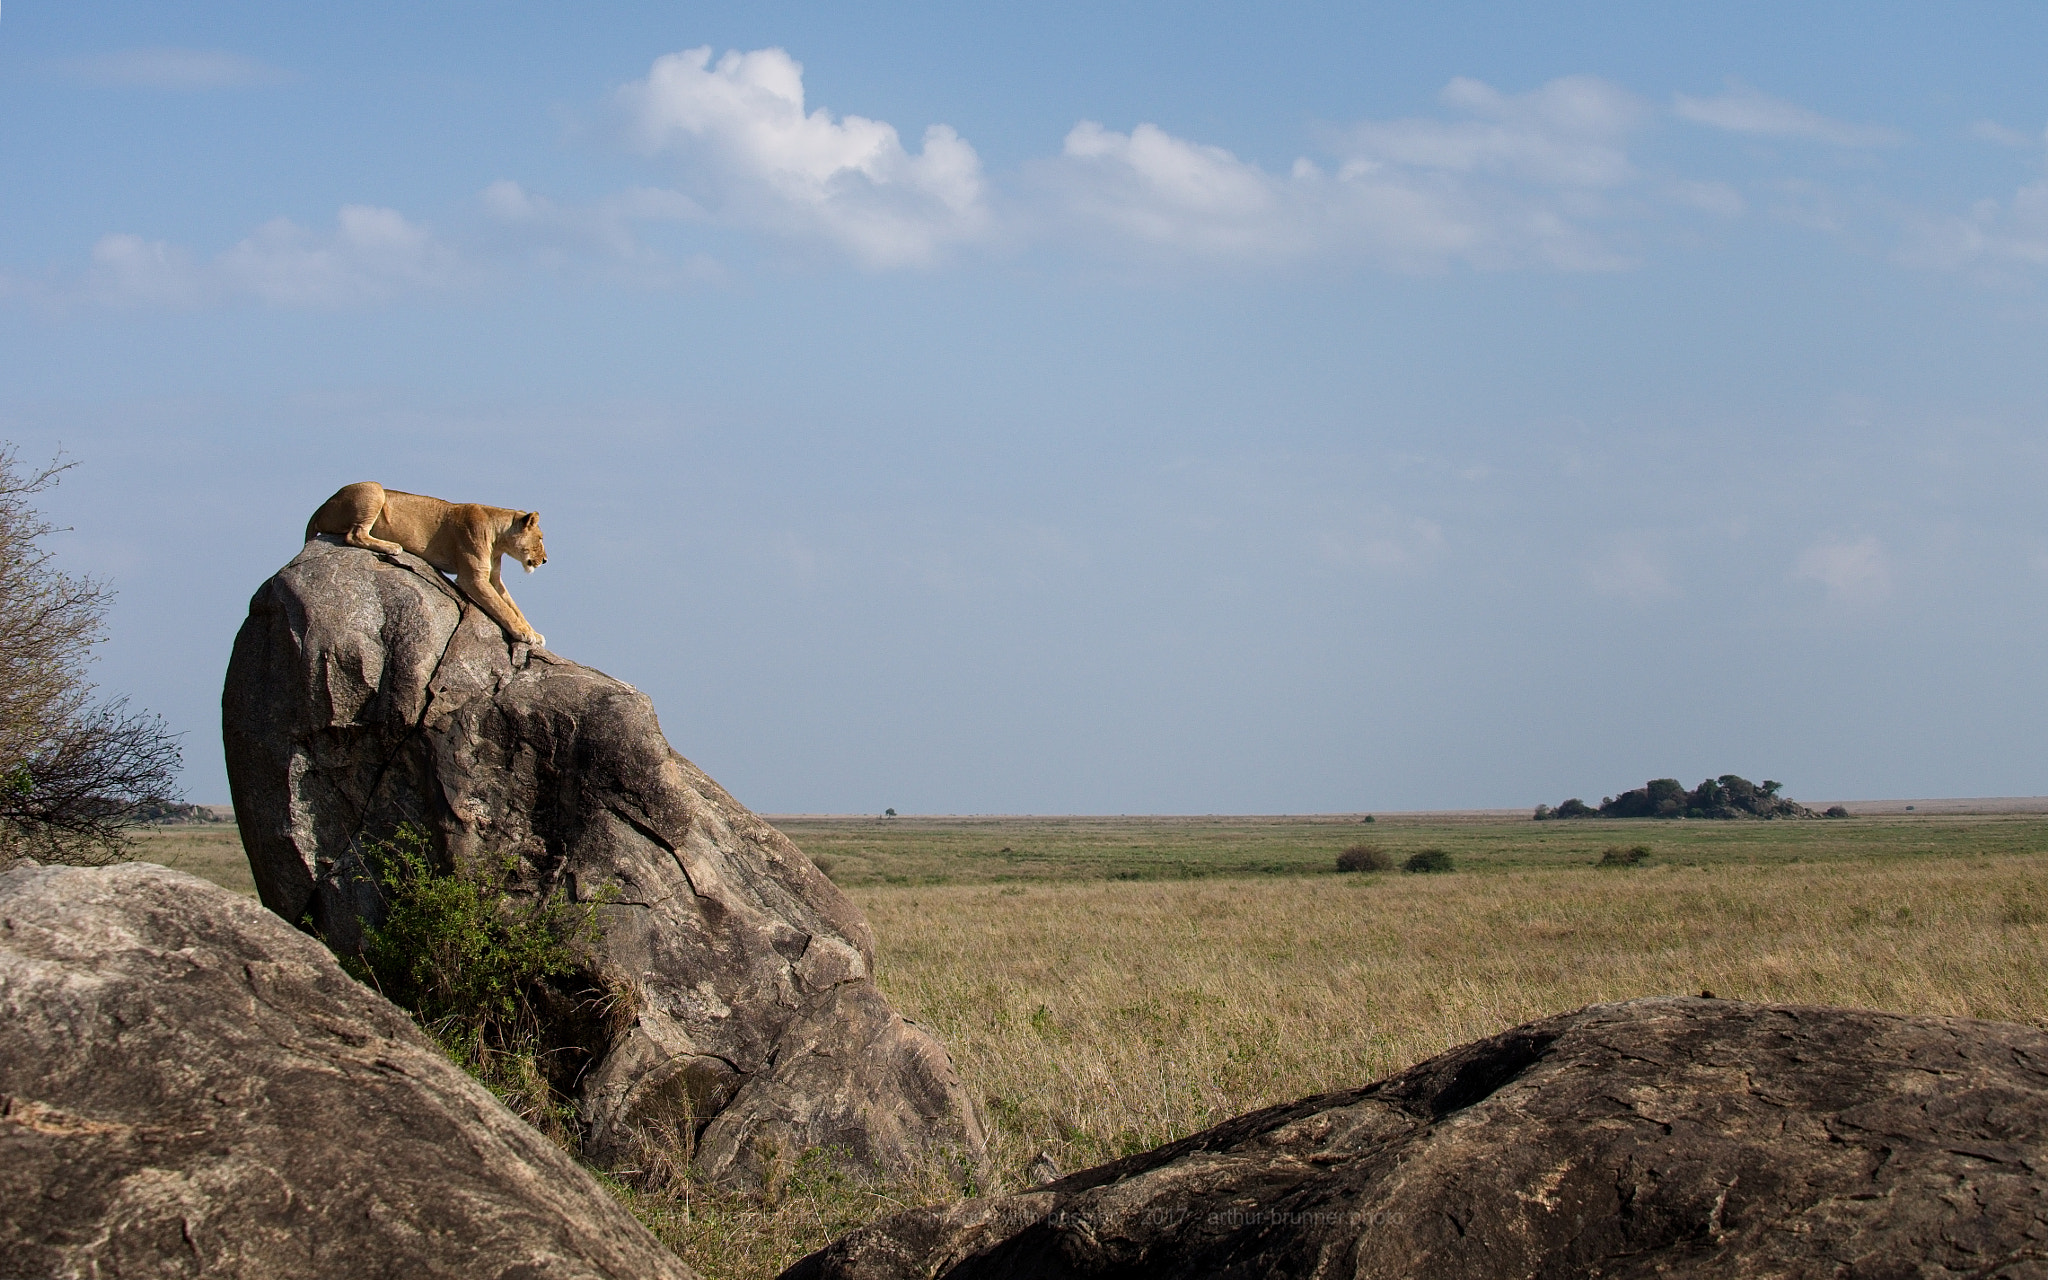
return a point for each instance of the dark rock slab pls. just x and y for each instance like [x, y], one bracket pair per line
[190, 1087]
[1663, 1137]
[364, 692]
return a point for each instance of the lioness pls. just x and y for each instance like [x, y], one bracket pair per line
[462, 538]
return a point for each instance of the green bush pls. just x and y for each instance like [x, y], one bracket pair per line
[1364, 857]
[1429, 860]
[1632, 856]
[503, 984]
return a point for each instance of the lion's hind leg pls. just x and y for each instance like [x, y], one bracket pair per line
[350, 515]
[359, 536]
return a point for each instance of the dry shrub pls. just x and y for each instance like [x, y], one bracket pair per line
[1429, 861]
[1364, 857]
[1617, 856]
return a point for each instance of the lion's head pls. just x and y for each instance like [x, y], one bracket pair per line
[526, 543]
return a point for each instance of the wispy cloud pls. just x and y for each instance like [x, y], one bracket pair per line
[370, 255]
[1994, 132]
[1745, 110]
[740, 129]
[1568, 133]
[1991, 240]
[1500, 181]
[1856, 573]
[174, 69]
[1517, 184]
[608, 229]
[1717, 198]
[1491, 179]
[1383, 540]
[1514, 180]
[1632, 572]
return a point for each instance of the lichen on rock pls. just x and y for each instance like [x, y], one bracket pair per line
[1665, 1137]
[190, 1087]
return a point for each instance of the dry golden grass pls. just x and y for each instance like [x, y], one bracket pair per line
[723, 1234]
[1098, 1019]
[208, 850]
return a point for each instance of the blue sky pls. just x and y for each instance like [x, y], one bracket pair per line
[1095, 408]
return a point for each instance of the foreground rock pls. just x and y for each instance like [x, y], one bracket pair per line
[364, 692]
[1659, 1137]
[188, 1086]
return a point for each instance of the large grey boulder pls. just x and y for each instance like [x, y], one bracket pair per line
[191, 1087]
[364, 692]
[1663, 1137]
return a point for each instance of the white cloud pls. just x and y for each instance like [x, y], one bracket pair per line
[741, 124]
[371, 254]
[1388, 543]
[1745, 110]
[178, 69]
[1519, 180]
[1632, 573]
[1569, 133]
[1515, 186]
[1153, 187]
[1717, 198]
[1991, 240]
[1992, 131]
[1809, 205]
[563, 233]
[128, 270]
[1851, 572]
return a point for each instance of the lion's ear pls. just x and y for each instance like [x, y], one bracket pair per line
[531, 519]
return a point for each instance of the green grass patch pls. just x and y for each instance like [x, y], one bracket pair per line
[912, 851]
[1616, 856]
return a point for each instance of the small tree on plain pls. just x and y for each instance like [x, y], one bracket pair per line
[1364, 857]
[1428, 861]
[72, 773]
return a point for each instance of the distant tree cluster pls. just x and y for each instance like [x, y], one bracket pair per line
[1728, 796]
[73, 775]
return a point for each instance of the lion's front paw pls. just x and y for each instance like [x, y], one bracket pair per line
[536, 639]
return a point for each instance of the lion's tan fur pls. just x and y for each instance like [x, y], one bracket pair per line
[464, 539]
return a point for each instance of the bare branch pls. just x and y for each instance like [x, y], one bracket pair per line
[71, 776]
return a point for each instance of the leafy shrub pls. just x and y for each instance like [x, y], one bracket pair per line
[1364, 857]
[1835, 811]
[503, 985]
[1633, 856]
[1429, 860]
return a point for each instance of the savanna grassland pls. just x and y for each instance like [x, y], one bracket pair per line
[211, 851]
[1105, 985]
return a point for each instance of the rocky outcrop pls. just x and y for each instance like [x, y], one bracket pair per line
[365, 692]
[189, 1087]
[1660, 1137]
